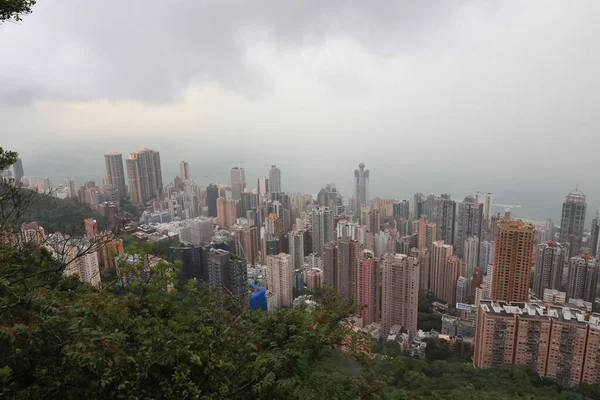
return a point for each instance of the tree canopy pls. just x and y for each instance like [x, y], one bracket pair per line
[14, 10]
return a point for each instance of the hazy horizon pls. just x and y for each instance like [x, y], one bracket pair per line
[432, 96]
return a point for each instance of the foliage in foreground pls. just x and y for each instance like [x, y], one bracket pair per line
[142, 341]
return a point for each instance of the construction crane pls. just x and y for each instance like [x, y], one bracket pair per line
[507, 207]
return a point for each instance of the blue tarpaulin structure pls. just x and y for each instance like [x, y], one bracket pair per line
[258, 300]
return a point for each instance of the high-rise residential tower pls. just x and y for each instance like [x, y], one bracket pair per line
[401, 209]
[470, 222]
[512, 261]
[184, 171]
[583, 276]
[238, 182]
[485, 198]
[445, 270]
[263, 185]
[280, 279]
[549, 263]
[18, 172]
[361, 181]
[594, 234]
[275, 179]
[296, 245]
[446, 220]
[572, 221]
[399, 292]
[115, 173]
[418, 206]
[322, 228]
[145, 176]
[471, 250]
[212, 194]
[349, 252]
[70, 185]
[368, 291]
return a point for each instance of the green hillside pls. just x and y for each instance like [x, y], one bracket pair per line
[57, 215]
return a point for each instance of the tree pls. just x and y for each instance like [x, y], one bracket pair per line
[14, 10]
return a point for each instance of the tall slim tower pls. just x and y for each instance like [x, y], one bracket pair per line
[280, 279]
[512, 261]
[296, 244]
[70, 185]
[322, 228]
[212, 194]
[238, 182]
[470, 222]
[485, 198]
[145, 176]
[349, 252]
[443, 277]
[583, 275]
[400, 292]
[368, 291]
[18, 171]
[471, 255]
[361, 177]
[549, 263]
[572, 221]
[184, 171]
[275, 179]
[447, 220]
[595, 234]
[418, 206]
[263, 185]
[115, 173]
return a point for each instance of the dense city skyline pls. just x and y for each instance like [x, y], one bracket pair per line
[277, 199]
[447, 97]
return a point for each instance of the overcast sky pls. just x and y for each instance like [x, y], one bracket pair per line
[434, 96]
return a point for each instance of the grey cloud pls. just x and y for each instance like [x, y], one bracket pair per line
[151, 51]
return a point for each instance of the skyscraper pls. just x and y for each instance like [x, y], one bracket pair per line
[227, 273]
[487, 250]
[349, 252]
[296, 244]
[361, 177]
[275, 179]
[512, 261]
[238, 182]
[595, 234]
[330, 254]
[322, 228]
[70, 185]
[471, 250]
[426, 233]
[572, 221]
[418, 205]
[184, 171]
[445, 270]
[583, 275]
[115, 173]
[18, 172]
[145, 176]
[212, 194]
[400, 292]
[263, 185]
[556, 342]
[447, 220]
[485, 198]
[401, 209]
[280, 279]
[470, 219]
[368, 291]
[549, 263]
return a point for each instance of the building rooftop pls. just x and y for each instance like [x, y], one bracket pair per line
[571, 313]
